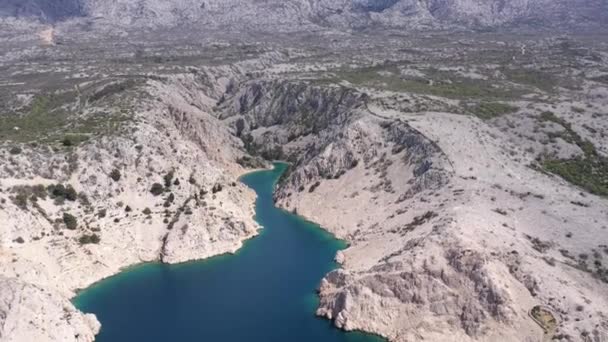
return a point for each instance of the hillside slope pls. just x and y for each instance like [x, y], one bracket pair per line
[300, 14]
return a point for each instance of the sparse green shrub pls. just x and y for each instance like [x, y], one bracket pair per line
[147, 211]
[500, 211]
[128, 209]
[67, 142]
[59, 191]
[169, 200]
[70, 193]
[314, 186]
[39, 191]
[589, 172]
[102, 213]
[168, 178]
[490, 110]
[419, 220]
[15, 150]
[20, 200]
[532, 77]
[217, 188]
[115, 175]
[157, 189]
[89, 239]
[46, 118]
[70, 221]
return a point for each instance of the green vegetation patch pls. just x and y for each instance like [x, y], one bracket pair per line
[89, 239]
[157, 189]
[52, 118]
[24, 193]
[44, 116]
[530, 77]
[70, 221]
[490, 110]
[589, 171]
[438, 83]
[114, 88]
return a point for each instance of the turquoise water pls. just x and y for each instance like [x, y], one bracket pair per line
[264, 293]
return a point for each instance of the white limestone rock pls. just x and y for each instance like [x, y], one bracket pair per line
[30, 313]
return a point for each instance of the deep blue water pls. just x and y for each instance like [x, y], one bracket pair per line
[264, 293]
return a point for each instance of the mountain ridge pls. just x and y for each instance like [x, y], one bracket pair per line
[341, 14]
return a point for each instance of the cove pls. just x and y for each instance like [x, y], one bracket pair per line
[263, 293]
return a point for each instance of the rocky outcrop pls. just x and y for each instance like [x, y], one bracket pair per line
[31, 313]
[452, 236]
[432, 254]
[160, 186]
[434, 257]
[328, 131]
[298, 107]
[456, 289]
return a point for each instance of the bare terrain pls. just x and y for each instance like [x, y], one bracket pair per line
[466, 168]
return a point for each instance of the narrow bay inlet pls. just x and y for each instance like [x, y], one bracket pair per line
[444, 173]
[264, 292]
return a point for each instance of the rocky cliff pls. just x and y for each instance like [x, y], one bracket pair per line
[31, 313]
[156, 182]
[453, 233]
[445, 240]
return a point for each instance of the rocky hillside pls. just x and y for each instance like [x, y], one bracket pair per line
[466, 181]
[447, 241]
[31, 313]
[128, 171]
[301, 14]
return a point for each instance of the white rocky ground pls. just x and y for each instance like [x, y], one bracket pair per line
[42, 263]
[453, 235]
[461, 261]
[31, 313]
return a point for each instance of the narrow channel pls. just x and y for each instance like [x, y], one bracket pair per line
[263, 293]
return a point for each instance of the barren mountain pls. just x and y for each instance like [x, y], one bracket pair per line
[293, 14]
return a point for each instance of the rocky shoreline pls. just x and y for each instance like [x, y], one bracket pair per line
[443, 243]
[452, 233]
[201, 211]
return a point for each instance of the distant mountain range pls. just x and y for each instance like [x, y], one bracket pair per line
[295, 14]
